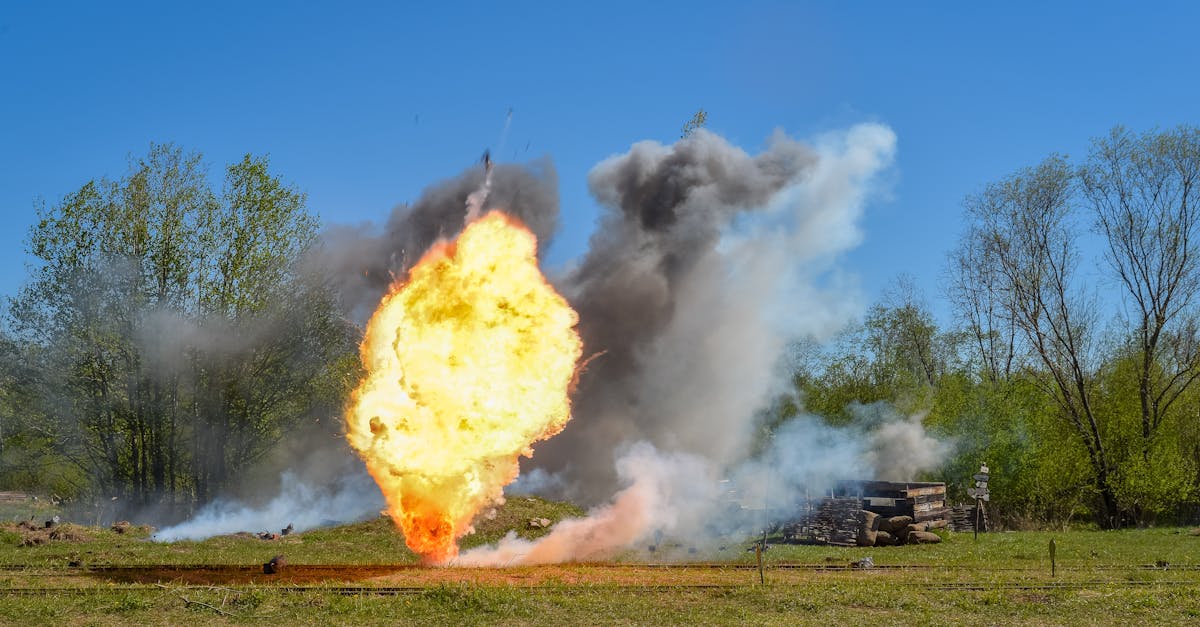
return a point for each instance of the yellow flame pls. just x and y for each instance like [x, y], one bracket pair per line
[469, 362]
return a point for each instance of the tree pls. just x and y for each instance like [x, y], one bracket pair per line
[1023, 228]
[972, 290]
[172, 338]
[1143, 191]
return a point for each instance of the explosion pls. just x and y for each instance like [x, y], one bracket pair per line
[468, 363]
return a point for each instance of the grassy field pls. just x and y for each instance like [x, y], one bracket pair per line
[362, 574]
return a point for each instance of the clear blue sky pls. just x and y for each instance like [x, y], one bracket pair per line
[362, 105]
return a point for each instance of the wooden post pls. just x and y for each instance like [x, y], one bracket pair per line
[1053, 564]
[758, 551]
[977, 508]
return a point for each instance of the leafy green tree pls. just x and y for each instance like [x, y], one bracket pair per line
[172, 339]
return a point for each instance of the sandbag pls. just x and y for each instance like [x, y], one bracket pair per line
[923, 537]
[883, 538]
[895, 524]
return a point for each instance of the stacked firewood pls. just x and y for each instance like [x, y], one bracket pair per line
[962, 519]
[843, 522]
[837, 521]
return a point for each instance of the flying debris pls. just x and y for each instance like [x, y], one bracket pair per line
[487, 161]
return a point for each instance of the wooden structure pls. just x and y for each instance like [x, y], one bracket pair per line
[923, 501]
[851, 513]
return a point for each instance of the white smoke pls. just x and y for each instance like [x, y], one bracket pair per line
[354, 497]
[680, 495]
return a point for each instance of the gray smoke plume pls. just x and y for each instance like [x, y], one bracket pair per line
[706, 262]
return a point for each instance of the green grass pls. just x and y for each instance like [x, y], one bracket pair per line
[1002, 578]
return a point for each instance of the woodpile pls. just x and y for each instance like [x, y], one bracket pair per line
[874, 513]
[923, 501]
[837, 521]
[16, 497]
[962, 519]
[842, 522]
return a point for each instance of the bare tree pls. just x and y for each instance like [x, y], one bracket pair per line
[1021, 250]
[972, 289]
[1143, 191]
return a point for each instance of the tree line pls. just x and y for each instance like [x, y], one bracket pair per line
[167, 338]
[1071, 364]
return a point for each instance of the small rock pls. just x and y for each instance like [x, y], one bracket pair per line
[865, 562]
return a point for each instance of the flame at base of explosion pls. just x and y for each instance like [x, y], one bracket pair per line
[468, 363]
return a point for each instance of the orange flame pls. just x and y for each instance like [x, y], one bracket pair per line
[468, 362]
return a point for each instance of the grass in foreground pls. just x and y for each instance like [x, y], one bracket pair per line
[1002, 578]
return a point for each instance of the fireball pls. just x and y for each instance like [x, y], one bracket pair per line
[468, 363]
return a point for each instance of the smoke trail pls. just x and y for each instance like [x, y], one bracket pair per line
[303, 505]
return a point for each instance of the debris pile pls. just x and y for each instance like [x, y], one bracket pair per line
[35, 535]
